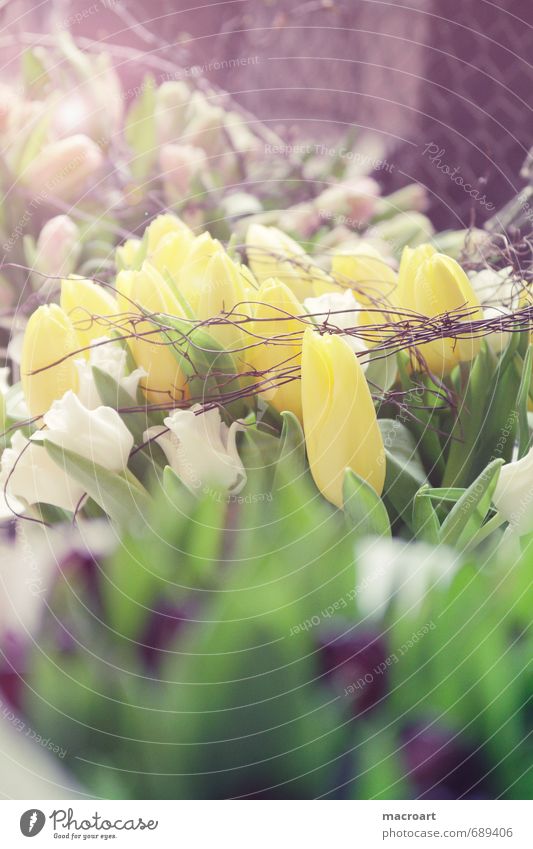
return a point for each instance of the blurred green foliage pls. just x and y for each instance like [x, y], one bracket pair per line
[224, 650]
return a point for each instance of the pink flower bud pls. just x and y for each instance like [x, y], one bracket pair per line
[180, 164]
[61, 170]
[351, 203]
[58, 247]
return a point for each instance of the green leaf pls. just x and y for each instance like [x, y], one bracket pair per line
[426, 523]
[33, 145]
[140, 130]
[522, 405]
[468, 514]
[405, 473]
[443, 493]
[113, 395]
[211, 371]
[122, 497]
[292, 444]
[34, 73]
[363, 508]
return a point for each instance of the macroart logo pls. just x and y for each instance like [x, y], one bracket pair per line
[65, 823]
[32, 822]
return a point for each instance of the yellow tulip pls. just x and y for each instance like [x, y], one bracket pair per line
[372, 280]
[84, 301]
[194, 268]
[280, 359]
[271, 253]
[161, 227]
[441, 286]
[150, 293]
[412, 260]
[127, 255]
[171, 253]
[49, 338]
[340, 424]
[219, 290]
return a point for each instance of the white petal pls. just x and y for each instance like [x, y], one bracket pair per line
[30, 476]
[513, 496]
[201, 449]
[99, 435]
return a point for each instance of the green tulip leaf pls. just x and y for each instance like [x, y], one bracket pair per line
[121, 496]
[470, 511]
[426, 523]
[364, 510]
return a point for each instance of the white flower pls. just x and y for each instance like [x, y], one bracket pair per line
[327, 306]
[513, 496]
[29, 476]
[111, 357]
[388, 569]
[201, 449]
[499, 296]
[99, 435]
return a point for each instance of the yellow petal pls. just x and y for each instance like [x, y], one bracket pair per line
[271, 253]
[49, 338]
[280, 357]
[441, 286]
[151, 350]
[161, 227]
[85, 302]
[340, 424]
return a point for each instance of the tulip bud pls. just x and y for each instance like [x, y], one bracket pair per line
[441, 287]
[85, 303]
[58, 247]
[205, 127]
[278, 358]
[62, 169]
[180, 165]
[126, 255]
[194, 268]
[151, 350]
[160, 227]
[170, 254]
[411, 261]
[172, 100]
[372, 279]
[49, 338]
[340, 424]
[271, 253]
[219, 290]
[353, 201]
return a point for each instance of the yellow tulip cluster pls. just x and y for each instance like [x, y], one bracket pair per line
[292, 364]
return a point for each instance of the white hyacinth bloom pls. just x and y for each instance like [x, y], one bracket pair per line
[201, 449]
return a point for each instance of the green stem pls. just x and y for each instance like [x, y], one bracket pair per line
[485, 531]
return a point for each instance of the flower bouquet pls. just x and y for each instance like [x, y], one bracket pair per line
[266, 460]
[310, 479]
